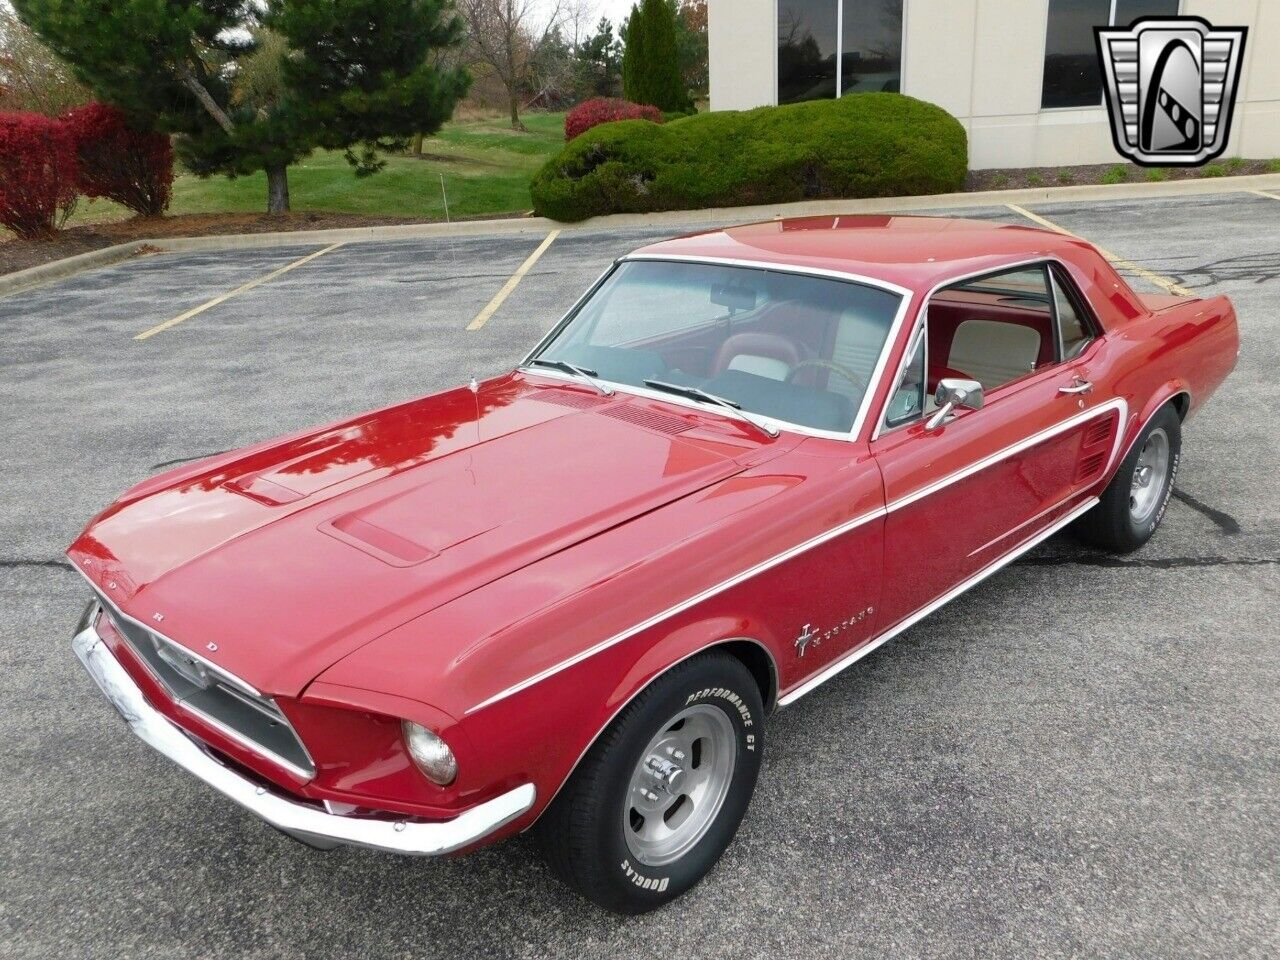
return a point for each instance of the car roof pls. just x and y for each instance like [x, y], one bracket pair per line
[917, 253]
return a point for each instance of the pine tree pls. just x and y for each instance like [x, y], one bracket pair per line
[654, 74]
[348, 74]
[634, 77]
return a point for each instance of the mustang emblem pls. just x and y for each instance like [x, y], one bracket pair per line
[802, 641]
[809, 635]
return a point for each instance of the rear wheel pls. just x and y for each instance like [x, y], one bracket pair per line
[1134, 502]
[660, 795]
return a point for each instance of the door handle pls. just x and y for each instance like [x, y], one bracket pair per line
[1078, 385]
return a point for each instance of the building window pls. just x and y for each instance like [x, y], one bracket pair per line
[850, 46]
[1072, 76]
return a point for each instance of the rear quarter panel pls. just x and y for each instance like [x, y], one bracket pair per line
[1186, 348]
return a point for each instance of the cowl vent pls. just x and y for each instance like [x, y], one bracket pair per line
[654, 420]
[569, 398]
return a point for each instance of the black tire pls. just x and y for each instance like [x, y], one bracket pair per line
[1112, 525]
[582, 834]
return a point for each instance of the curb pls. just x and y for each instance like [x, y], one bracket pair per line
[539, 226]
[48, 272]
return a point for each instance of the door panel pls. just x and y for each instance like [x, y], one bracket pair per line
[828, 590]
[963, 495]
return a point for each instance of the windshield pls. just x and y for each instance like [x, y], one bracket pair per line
[790, 347]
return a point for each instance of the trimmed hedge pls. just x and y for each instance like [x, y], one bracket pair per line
[861, 145]
[591, 113]
[37, 174]
[132, 167]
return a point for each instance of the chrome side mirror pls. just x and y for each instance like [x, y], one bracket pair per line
[954, 393]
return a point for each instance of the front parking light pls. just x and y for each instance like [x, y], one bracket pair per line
[431, 754]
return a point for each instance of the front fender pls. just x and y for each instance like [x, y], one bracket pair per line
[545, 730]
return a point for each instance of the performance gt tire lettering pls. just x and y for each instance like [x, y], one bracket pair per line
[729, 695]
[582, 833]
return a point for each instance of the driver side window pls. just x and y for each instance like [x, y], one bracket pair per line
[909, 397]
[995, 329]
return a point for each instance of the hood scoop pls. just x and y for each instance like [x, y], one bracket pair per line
[422, 522]
[507, 503]
[378, 542]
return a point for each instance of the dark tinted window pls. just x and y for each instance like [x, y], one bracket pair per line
[872, 46]
[806, 50]
[1128, 11]
[1072, 76]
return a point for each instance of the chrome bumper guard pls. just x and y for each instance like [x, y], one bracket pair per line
[299, 820]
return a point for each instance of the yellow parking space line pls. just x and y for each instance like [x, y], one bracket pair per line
[1270, 196]
[194, 311]
[1164, 283]
[500, 297]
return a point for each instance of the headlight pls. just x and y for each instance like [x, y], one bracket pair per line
[430, 753]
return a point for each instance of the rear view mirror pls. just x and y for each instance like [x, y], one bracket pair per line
[954, 393]
[734, 297]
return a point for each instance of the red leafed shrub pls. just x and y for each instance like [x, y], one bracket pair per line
[37, 174]
[132, 167]
[598, 110]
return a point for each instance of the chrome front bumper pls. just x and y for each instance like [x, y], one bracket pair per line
[304, 822]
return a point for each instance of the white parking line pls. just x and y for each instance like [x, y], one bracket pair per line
[1164, 283]
[1269, 196]
[180, 318]
[500, 297]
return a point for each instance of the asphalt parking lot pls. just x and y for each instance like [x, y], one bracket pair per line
[1081, 757]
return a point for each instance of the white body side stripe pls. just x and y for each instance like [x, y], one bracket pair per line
[1117, 404]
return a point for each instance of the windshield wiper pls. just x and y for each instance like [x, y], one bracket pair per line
[694, 393]
[572, 368]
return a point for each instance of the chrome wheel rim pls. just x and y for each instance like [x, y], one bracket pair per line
[679, 785]
[1149, 475]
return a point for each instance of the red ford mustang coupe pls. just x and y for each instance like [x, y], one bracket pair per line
[565, 598]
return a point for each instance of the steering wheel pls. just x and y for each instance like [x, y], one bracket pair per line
[839, 368]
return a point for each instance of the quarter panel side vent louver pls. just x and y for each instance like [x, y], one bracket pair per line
[1090, 465]
[1099, 432]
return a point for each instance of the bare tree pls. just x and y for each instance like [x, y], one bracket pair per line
[506, 35]
[32, 77]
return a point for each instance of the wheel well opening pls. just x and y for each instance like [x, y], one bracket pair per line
[756, 659]
[1181, 403]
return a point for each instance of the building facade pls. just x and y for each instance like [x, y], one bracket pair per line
[1021, 75]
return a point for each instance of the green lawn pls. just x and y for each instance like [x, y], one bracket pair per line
[486, 168]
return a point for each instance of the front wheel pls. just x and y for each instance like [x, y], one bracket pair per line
[660, 795]
[1134, 502]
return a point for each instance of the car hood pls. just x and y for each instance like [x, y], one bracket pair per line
[276, 561]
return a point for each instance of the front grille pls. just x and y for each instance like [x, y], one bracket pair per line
[224, 701]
